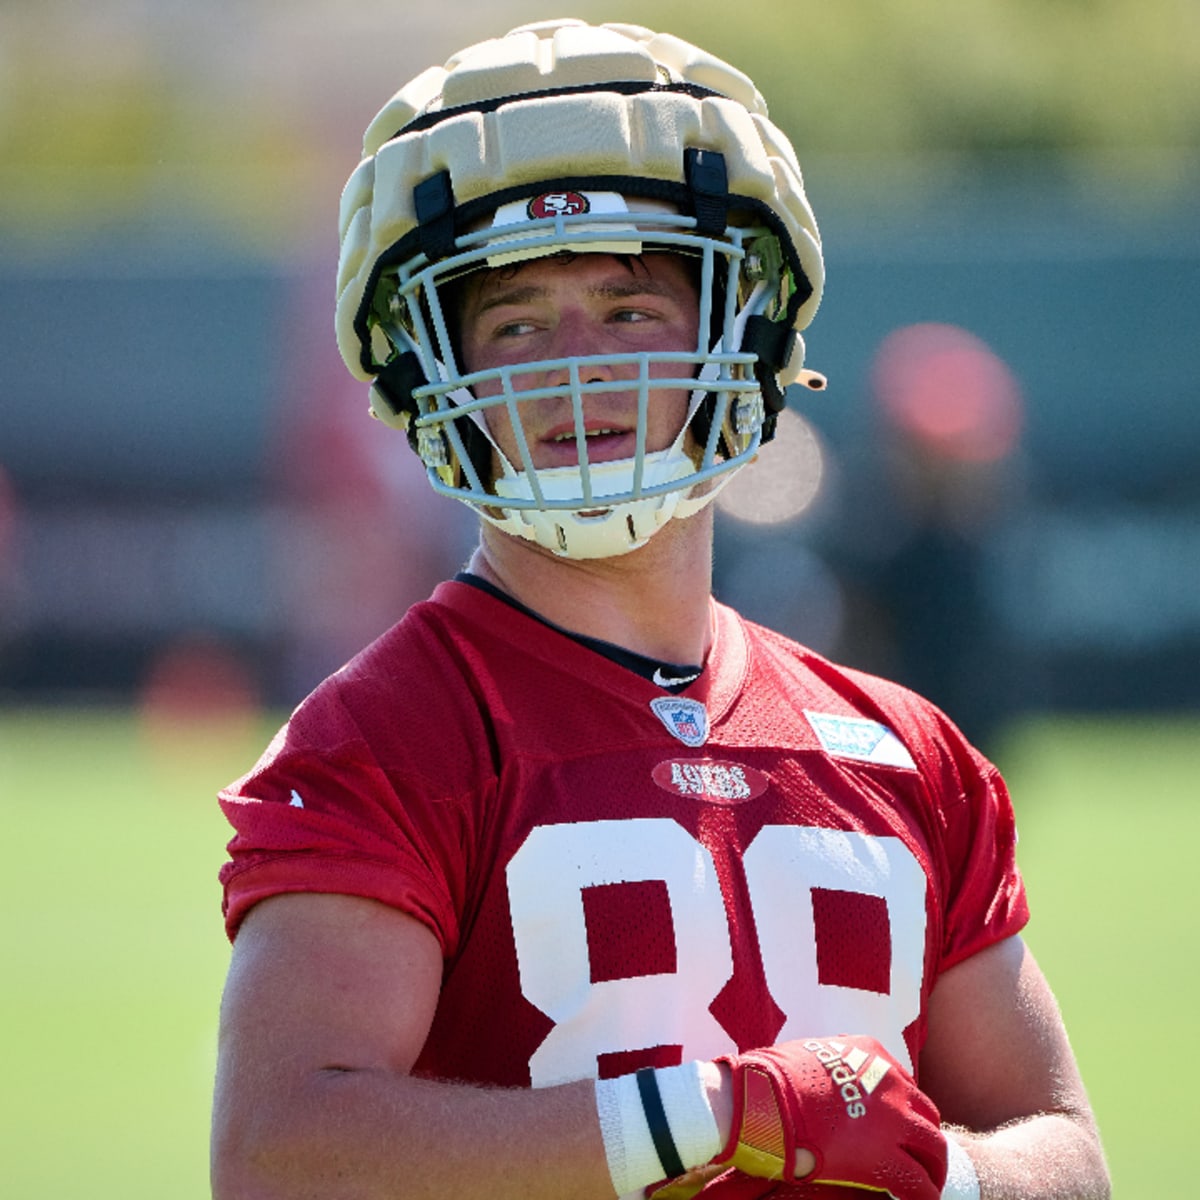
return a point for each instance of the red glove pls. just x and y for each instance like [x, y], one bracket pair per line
[849, 1103]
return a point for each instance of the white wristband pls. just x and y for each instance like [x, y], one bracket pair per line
[689, 1113]
[632, 1160]
[629, 1145]
[961, 1181]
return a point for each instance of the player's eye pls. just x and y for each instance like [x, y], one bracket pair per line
[513, 329]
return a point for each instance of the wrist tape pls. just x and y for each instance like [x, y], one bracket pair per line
[656, 1124]
[961, 1181]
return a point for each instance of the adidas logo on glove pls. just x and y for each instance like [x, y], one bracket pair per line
[856, 1073]
[846, 1102]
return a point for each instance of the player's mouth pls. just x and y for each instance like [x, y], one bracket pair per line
[604, 444]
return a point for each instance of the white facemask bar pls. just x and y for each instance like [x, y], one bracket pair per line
[451, 397]
[585, 510]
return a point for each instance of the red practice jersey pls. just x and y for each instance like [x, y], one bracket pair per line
[621, 877]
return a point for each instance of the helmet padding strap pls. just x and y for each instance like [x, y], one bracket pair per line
[433, 199]
[708, 179]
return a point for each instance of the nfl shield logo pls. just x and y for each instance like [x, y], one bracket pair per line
[686, 720]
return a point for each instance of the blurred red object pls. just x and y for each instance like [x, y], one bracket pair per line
[948, 391]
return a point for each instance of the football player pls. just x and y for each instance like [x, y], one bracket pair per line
[576, 884]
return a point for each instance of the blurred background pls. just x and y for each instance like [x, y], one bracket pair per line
[996, 501]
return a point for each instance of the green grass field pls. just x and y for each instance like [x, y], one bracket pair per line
[114, 954]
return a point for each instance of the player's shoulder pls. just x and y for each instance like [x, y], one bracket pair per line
[781, 653]
[414, 678]
[838, 689]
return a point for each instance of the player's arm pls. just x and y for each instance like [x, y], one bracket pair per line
[328, 1003]
[998, 1064]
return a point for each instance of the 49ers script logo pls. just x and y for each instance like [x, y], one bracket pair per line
[706, 779]
[555, 204]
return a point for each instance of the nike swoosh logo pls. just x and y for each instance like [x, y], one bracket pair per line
[666, 681]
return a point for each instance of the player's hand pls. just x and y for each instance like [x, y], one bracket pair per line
[847, 1102]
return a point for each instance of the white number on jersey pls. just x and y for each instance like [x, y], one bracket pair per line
[784, 864]
[546, 879]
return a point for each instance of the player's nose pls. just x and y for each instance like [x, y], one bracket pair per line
[577, 337]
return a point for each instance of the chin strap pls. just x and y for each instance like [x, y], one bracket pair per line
[771, 344]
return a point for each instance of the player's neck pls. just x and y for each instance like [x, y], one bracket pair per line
[653, 601]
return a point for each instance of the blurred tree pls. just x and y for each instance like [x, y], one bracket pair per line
[220, 120]
[886, 76]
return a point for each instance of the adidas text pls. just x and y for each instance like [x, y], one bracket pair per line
[856, 1075]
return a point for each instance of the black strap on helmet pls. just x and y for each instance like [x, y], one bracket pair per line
[433, 199]
[771, 342]
[708, 179]
[394, 385]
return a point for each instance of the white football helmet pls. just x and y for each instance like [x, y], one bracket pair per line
[565, 137]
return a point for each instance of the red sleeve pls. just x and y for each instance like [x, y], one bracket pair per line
[320, 814]
[984, 899]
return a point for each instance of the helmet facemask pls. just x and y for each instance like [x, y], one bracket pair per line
[588, 509]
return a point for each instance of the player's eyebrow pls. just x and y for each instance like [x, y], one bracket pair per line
[622, 289]
[487, 299]
[496, 297]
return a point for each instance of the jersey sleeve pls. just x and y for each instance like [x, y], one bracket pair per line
[984, 900]
[320, 813]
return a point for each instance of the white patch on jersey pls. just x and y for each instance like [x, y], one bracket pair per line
[856, 737]
[685, 719]
[295, 801]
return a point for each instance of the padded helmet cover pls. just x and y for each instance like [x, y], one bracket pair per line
[564, 104]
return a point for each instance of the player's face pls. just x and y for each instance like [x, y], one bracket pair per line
[582, 304]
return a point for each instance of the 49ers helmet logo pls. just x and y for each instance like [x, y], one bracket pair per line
[554, 204]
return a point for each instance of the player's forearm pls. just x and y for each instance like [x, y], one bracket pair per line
[373, 1135]
[1051, 1156]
